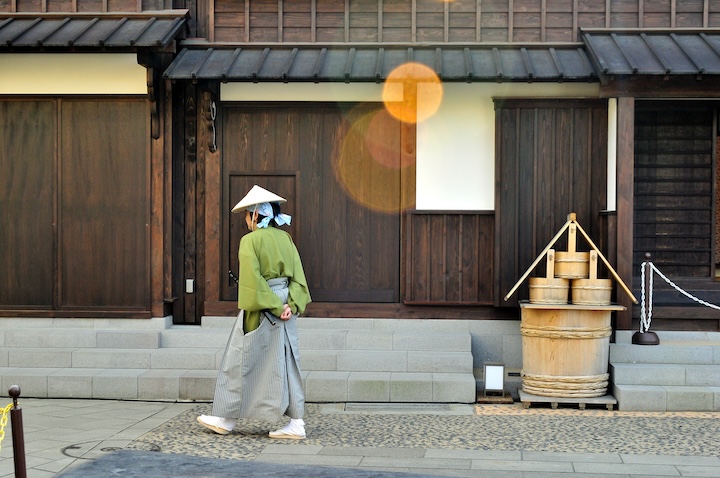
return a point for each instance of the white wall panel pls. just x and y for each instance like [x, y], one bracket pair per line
[71, 74]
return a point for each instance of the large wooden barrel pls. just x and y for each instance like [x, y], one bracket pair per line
[565, 349]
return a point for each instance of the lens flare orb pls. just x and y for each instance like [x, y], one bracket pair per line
[422, 92]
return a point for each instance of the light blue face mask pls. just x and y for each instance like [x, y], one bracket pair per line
[265, 209]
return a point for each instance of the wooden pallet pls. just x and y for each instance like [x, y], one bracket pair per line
[494, 399]
[527, 399]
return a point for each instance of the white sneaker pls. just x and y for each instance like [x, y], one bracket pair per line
[295, 430]
[219, 425]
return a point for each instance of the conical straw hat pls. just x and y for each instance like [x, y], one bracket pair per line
[257, 195]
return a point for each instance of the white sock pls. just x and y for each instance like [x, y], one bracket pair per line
[228, 423]
[296, 425]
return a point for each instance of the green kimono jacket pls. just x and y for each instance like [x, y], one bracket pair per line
[265, 254]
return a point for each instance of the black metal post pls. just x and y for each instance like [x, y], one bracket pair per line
[17, 434]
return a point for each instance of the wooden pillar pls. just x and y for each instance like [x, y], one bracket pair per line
[211, 182]
[161, 129]
[625, 182]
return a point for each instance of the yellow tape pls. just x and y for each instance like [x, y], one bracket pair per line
[3, 422]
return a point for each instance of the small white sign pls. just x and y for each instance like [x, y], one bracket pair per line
[495, 378]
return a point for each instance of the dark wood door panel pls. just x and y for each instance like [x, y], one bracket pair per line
[339, 168]
[104, 204]
[27, 162]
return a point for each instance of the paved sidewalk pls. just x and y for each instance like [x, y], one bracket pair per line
[74, 438]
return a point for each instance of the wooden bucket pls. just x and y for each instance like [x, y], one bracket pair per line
[544, 290]
[565, 351]
[572, 265]
[591, 291]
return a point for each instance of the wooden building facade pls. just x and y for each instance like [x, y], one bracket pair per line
[116, 203]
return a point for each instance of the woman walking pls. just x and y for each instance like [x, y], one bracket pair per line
[259, 376]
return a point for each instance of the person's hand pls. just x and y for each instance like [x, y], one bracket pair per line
[286, 313]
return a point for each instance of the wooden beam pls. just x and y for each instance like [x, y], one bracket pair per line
[347, 21]
[607, 14]
[247, 20]
[673, 13]
[379, 311]
[625, 195]
[446, 22]
[511, 6]
[211, 20]
[647, 87]
[313, 21]
[413, 21]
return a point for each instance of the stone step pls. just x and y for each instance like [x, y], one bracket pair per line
[190, 336]
[668, 337]
[679, 374]
[665, 374]
[359, 360]
[340, 339]
[141, 384]
[81, 337]
[389, 387]
[665, 398]
[65, 324]
[320, 386]
[196, 358]
[695, 353]
[179, 336]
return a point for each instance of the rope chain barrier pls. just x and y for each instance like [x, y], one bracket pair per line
[3, 422]
[646, 315]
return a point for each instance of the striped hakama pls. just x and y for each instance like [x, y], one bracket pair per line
[260, 376]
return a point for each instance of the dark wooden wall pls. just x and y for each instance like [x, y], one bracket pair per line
[76, 209]
[449, 257]
[82, 6]
[674, 187]
[463, 21]
[551, 160]
[674, 182]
